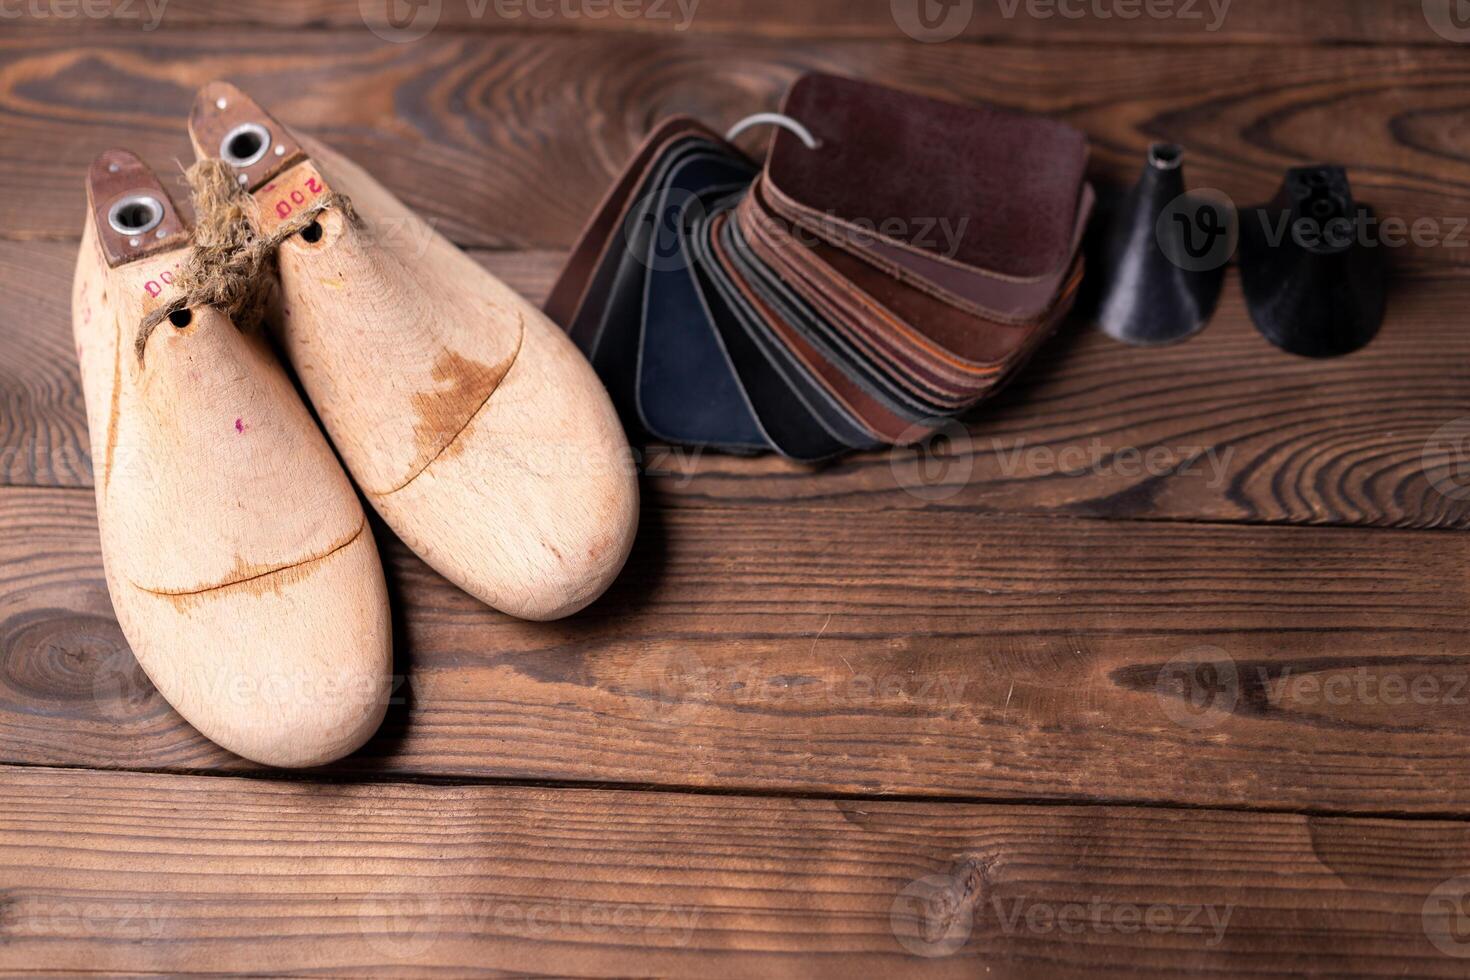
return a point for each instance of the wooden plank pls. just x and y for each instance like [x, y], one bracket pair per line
[806, 650]
[170, 874]
[43, 420]
[1223, 428]
[508, 141]
[1119, 21]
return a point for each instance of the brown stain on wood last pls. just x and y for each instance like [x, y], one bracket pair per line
[255, 578]
[112, 410]
[444, 413]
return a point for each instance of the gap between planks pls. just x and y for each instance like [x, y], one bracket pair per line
[741, 792]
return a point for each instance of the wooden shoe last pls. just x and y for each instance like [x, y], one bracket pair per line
[238, 557]
[469, 420]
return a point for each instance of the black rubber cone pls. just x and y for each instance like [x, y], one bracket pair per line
[1314, 282]
[1162, 258]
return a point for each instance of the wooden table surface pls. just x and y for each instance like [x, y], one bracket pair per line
[1161, 669]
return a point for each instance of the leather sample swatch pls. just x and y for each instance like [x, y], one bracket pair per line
[847, 296]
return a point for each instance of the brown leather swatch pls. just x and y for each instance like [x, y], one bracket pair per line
[863, 407]
[975, 291]
[891, 162]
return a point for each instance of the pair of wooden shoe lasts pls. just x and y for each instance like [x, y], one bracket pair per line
[238, 557]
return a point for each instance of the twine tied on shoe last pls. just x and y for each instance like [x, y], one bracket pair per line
[231, 265]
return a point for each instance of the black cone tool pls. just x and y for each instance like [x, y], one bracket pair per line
[1162, 256]
[1313, 281]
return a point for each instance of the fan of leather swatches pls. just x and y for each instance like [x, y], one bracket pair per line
[850, 294]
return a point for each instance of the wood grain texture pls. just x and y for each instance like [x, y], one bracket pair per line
[790, 632]
[1224, 428]
[203, 875]
[1178, 22]
[504, 140]
[892, 653]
